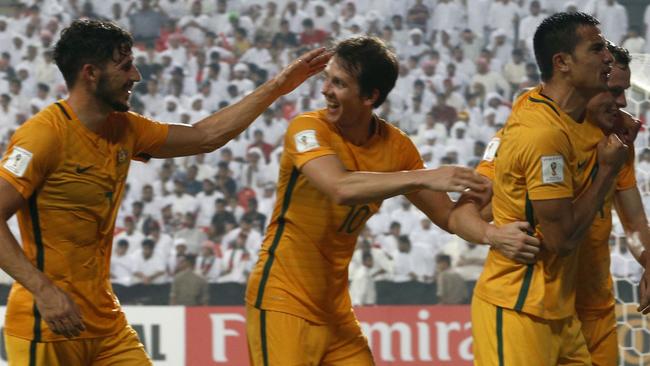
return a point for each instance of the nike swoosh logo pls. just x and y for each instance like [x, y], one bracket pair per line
[581, 164]
[81, 170]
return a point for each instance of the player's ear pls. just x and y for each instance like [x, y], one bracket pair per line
[372, 98]
[561, 61]
[90, 73]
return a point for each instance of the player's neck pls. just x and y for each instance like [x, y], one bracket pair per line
[89, 111]
[361, 131]
[571, 100]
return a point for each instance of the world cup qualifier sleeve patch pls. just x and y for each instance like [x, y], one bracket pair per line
[306, 140]
[552, 169]
[491, 149]
[18, 161]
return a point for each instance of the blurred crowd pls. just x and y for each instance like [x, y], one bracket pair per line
[461, 64]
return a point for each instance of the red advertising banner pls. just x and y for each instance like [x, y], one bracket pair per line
[398, 335]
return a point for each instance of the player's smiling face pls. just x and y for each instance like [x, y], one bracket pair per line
[345, 105]
[116, 81]
[590, 61]
[603, 108]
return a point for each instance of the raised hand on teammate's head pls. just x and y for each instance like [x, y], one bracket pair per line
[452, 178]
[612, 152]
[59, 312]
[308, 64]
[514, 241]
[626, 127]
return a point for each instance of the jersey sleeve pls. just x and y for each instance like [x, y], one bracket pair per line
[307, 138]
[411, 159]
[33, 153]
[486, 166]
[486, 169]
[626, 178]
[545, 161]
[150, 135]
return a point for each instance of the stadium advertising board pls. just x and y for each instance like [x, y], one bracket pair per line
[413, 335]
[399, 335]
[162, 331]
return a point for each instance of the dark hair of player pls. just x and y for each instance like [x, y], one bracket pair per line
[373, 64]
[88, 41]
[558, 33]
[621, 55]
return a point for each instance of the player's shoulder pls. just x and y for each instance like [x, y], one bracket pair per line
[389, 131]
[534, 109]
[128, 118]
[50, 120]
[313, 120]
[317, 116]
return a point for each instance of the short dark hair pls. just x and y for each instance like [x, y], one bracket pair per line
[307, 23]
[443, 258]
[148, 243]
[558, 33]
[88, 41]
[373, 64]
[621, 55]
[404, 239]
[190, 258]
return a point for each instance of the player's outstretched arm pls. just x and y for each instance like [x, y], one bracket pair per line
[329, 176]
[630, 210]
[217, 129]
[512, 240]
[563, 222]
[57, 309]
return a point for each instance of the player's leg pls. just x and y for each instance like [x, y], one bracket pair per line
[348, 346]
[573, 348]
[276, 338]
[23, 352]
[506, 337]
[121, 349]
[600, 334]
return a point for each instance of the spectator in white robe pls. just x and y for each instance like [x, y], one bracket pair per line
[613, 20]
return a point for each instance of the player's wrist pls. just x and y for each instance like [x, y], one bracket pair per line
[488, 238]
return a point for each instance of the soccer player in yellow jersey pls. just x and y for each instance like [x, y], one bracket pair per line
[594, 293]
[595, 303]
[64, 173]
[337, 167]
[524, 314]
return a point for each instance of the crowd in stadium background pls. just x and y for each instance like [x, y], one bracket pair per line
[461, 64]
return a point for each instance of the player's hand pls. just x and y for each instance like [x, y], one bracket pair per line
[513, 241]
[59, 312]
[626, 127]
[480, 198]
[451, 178]
[644, 285]
[301, 69]
[612, 152]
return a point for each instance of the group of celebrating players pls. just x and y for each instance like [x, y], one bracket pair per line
[541, 198]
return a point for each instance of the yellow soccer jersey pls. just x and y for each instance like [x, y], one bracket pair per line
[486, 166]
[73, 180]
[537, 159]
[303, 264]
[594, 290]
